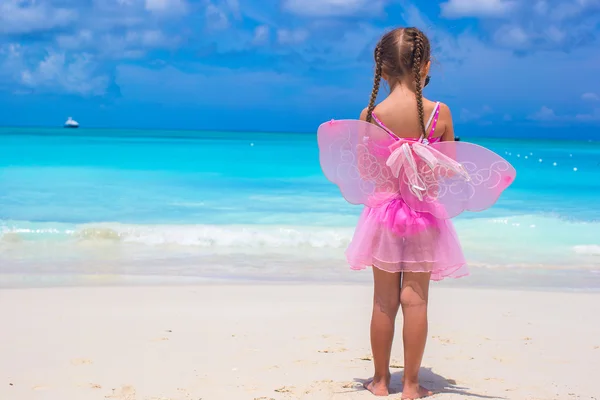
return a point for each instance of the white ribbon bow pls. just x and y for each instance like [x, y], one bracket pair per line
[403, 157]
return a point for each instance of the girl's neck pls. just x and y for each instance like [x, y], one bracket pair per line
[403, 89]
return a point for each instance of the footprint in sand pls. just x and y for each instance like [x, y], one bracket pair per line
[124, 393]
[90, 386]
[334, 350]
[442, 340]
[285, 389]
[328, 389]
[393, 363]
[81, 361]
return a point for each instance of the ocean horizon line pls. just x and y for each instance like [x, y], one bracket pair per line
[71, 132]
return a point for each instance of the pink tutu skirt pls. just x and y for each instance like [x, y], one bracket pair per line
[395, 238]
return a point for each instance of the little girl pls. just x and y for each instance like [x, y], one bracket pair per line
[406, 248]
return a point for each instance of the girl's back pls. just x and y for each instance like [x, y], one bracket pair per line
[397, 113]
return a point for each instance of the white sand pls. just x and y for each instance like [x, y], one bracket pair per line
[286, 342]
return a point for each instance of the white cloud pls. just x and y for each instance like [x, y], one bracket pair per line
[261, 35]
[166, 6]
[75, 41]
[476, 8]
[20, 17]
[541, 7]
[590, 97]
[183, 86]
[513, 37]
[150, 38]
[555, 35]
[468, 115]
[129, 44]
[544, 114]
[565, 10]
[592, 117]
[76, 76]
[531, 25]
[234, 7]
[286, 36]
[11, 62]
[216, 19]
[333, 8]
[541, 35]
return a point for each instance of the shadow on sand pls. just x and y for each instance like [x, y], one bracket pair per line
[434, 382]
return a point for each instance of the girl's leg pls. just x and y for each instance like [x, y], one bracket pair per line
[413, 298]
[386, 301]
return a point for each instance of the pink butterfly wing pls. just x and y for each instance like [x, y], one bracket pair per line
[448, 194]
[353, 156]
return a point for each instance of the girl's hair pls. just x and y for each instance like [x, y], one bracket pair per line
[401, 52]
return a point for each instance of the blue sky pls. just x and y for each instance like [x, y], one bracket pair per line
[503, 66]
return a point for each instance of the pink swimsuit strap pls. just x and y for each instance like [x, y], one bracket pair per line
[433, 120]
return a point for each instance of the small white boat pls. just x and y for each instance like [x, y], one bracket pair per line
[71, 123]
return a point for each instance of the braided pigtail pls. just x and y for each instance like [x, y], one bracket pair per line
[417, 58]
[376, 82]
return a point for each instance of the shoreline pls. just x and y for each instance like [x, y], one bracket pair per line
[12, 281]
[286, 342]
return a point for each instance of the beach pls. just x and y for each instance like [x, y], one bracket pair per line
[267, 341]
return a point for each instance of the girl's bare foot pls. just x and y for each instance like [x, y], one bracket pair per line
[378, 386]
[411, 392]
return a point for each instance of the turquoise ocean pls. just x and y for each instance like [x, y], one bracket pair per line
[96, 205]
